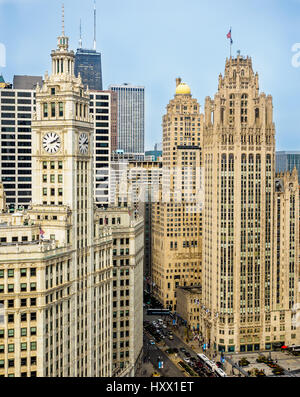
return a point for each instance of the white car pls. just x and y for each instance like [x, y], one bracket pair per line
[164, 326]
[187, 360]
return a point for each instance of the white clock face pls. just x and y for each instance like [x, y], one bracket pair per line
[51, 142]
[83, 143]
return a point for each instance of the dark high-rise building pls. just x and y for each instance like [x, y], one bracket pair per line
[88, 64]
[286, 161]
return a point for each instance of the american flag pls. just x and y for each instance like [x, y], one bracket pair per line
[229, 36]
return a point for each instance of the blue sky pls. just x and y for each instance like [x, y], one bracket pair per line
[151, 42]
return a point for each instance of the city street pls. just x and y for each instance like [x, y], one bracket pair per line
[153, 351]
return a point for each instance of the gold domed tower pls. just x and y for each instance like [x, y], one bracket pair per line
[182, 88]
[177, 217]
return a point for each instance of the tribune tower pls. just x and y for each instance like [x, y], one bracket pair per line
[238, 226]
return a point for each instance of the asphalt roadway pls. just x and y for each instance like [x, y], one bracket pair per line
[154, 351]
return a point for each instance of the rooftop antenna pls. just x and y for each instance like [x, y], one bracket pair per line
[63, 20]
[80, 39]
[95, 25]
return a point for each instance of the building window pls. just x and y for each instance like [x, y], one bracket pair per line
[33, 331]
[23, 346]
[32, 345]
[23, 331]
[61, 109]
[11, 333]
[45, 109]
[52, 109]
[23, 302]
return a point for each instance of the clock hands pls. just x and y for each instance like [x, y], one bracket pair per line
[55, 140]
[51, 142]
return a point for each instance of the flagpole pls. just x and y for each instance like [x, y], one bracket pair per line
[230, 42]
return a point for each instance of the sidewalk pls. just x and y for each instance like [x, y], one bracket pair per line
[146, 370]
[180, 332]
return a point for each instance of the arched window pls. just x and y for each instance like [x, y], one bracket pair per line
[231, 109]
[244, 108]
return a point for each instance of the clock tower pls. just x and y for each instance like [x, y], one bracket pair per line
[66, 257]
[62, 201]
[62, 133]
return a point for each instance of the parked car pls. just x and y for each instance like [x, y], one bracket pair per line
[182, 349]
[170, 337]
[151, 342]
[188, 354]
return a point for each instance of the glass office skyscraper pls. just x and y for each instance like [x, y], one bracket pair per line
[286, 161]
[88, 64]
[131, 119]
